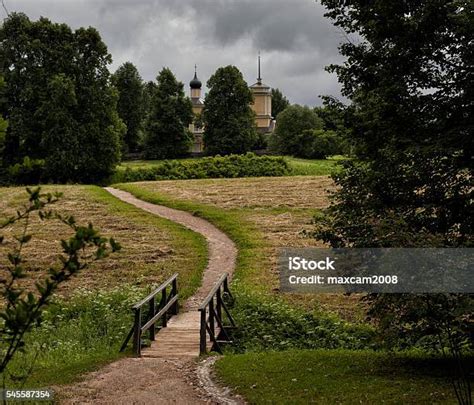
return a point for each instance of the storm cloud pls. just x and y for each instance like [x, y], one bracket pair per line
[295, 40]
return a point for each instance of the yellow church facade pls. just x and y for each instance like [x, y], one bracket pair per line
[262, 106]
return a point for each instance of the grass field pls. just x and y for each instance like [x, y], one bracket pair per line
[153, 248]
[261, 215]
[299, 167]
[337, 377]
[91, 315]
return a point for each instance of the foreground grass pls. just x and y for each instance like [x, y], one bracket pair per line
[336, 377]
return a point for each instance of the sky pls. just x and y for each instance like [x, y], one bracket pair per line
[295, 40]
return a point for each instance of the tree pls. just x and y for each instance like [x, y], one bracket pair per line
[3, 127]
[279, 102]
[410, 81]
[22, 310]
[76, 61]
[292, 123]
[229, 122]
[336, 118]
[130, 107]
[149, 90]
[167, 133]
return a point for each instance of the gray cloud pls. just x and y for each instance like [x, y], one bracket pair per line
[295, 39]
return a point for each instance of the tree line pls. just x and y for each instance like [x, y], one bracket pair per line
[71, 120]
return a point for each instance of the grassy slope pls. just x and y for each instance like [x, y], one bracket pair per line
[153, 247]
[336, 377]
[88, 327]
[260, 215]
[250, 259]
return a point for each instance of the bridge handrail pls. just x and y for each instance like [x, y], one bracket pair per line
[155, 292]
[212, 310]
[167, 304]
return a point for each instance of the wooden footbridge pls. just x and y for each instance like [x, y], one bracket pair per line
[159, 330]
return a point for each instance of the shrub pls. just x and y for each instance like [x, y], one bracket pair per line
[231, 166]
[266, 323]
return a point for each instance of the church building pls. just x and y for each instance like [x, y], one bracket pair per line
[262, 106]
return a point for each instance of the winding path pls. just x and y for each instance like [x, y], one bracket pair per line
[166, 374]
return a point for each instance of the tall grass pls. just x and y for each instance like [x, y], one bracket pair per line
[77, 334]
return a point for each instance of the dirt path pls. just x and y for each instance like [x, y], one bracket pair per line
[164, 377]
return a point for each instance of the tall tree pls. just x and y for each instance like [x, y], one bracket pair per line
[410, 79]
[78, 62]
[148, 93]
[167, 133]
[229, 122]
[130, 106]
[279, 102]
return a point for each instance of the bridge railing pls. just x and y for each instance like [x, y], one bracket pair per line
[145, 320]
[216, 320]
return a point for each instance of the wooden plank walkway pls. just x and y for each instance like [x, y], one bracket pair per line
[179, 339]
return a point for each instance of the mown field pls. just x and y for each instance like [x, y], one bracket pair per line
[91, 315]
[268, 213]
[153, 248]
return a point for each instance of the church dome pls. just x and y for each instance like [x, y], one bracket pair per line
[195, 83]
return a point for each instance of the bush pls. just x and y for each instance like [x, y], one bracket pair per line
[266, 323]
[232, 166]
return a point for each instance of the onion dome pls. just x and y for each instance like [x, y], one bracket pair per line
[195, 83]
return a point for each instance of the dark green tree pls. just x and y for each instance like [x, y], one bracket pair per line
[3, 127]
[290, 137]
[58, 57]
[279, 102]
[410, 80]
[148, 93]
[130, 104]
[167, 133]
[229, 122]
[59, 136]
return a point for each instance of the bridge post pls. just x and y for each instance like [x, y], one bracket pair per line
[202, 333]
[219, 303]
[137, 333]
[174, 292]
[163, 303]
[152, 314]
[211, 314]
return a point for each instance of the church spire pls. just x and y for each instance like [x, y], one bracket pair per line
[259, 79]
